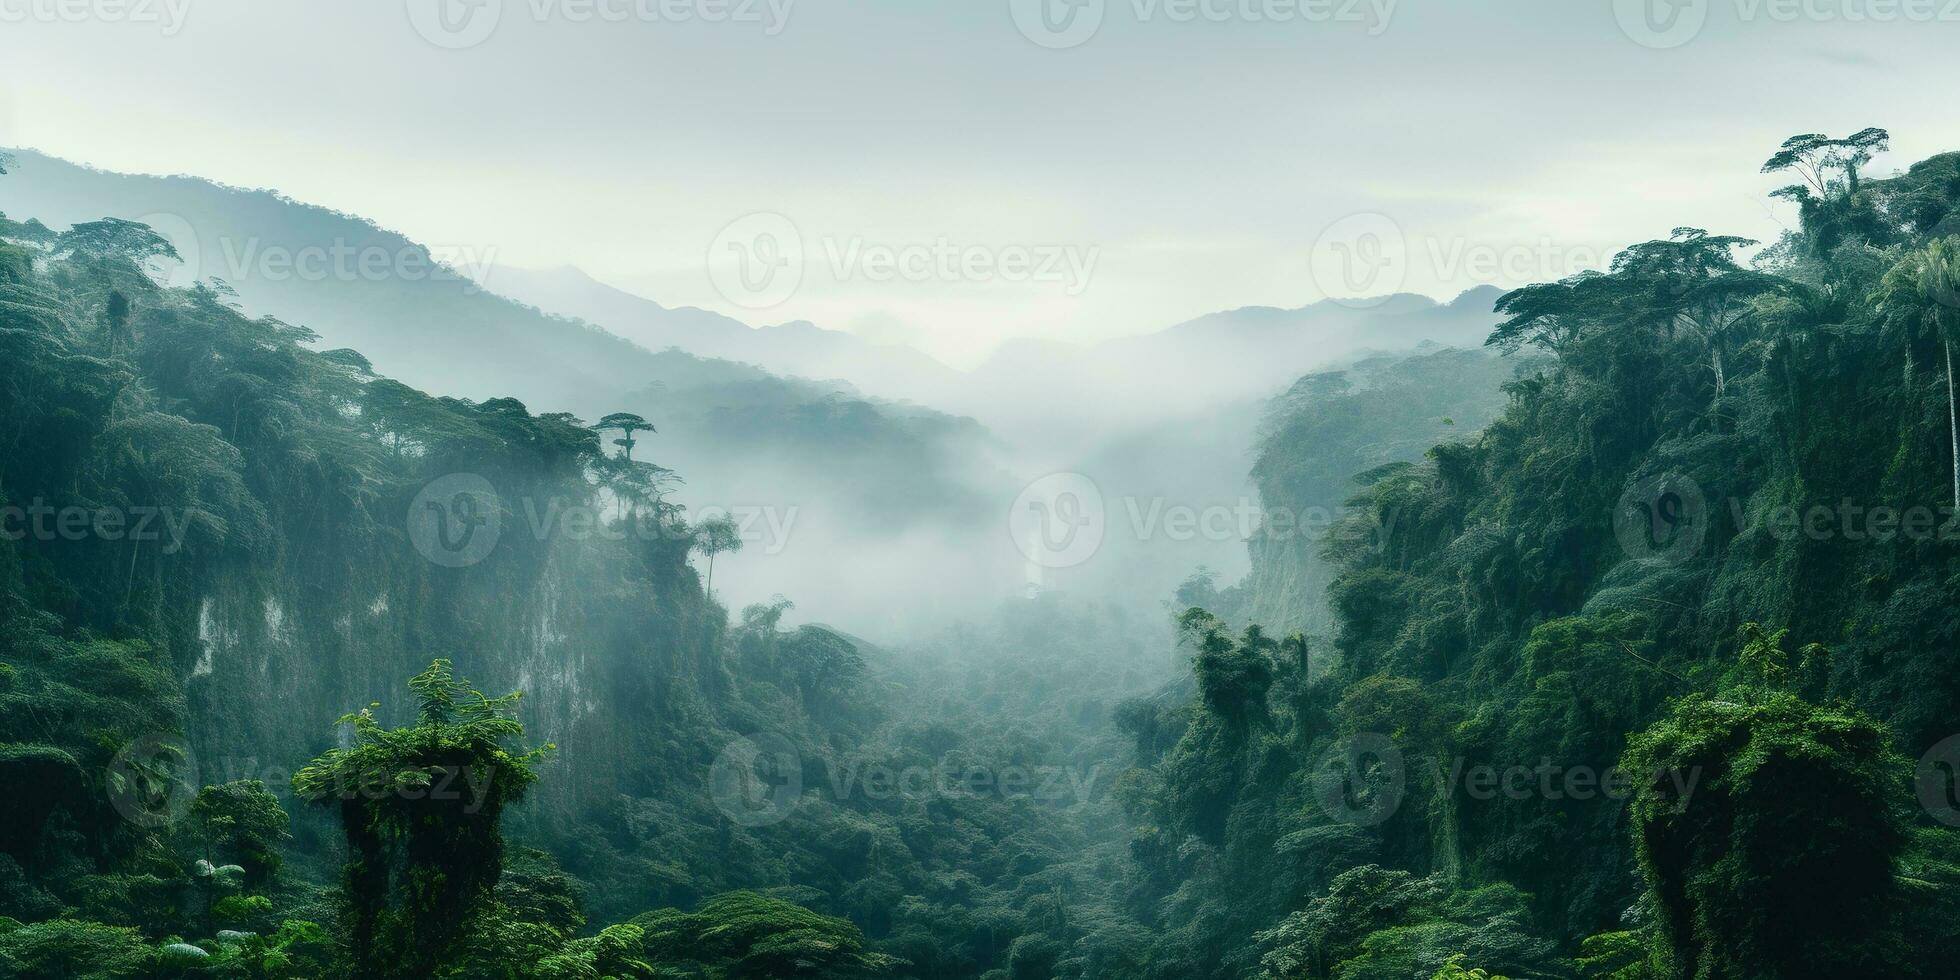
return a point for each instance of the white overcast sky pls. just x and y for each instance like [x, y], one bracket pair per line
[1199, 159]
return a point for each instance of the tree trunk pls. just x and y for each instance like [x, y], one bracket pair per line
[129, 582]
[1303, 655]
[1721, 383]
[1953, 423]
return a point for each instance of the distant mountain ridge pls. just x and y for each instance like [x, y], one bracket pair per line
[1228, 356]
[799, 347]
[743, 437]
[383, 295]
[864, 441]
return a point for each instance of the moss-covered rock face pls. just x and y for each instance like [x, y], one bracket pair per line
[218, 558]
[248, 507]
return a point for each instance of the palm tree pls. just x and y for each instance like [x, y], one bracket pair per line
[713, 537]
[1924, 290]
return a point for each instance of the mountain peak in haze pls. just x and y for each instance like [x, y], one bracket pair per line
[1477, 299]
[797, 347]
[1391, 303]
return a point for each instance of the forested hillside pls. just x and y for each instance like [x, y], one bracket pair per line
[1615, 664]
[215, 550]
[793, 419]
[1325, 435]
[1705, 557]
[848, 466]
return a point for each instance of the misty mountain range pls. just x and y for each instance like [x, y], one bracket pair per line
[793, 417]
[1219, 357]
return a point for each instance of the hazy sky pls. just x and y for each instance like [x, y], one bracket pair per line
[1183, 157]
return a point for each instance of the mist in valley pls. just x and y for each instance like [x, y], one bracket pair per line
[1017, 491]
[848, 465]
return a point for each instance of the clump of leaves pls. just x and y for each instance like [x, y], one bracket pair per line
[420, 807]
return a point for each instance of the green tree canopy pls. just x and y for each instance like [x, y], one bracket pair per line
[420, 807]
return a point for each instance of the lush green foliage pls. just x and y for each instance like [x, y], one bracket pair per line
[1746, 883]
[422, 808]
[1508, 604]
[1564, 596]
[1321, 436]
[155, 686]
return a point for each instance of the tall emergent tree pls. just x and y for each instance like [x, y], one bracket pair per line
[1816, 157]
[1828, 199]
[714, 536]
[627, 423]
[132, 240]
